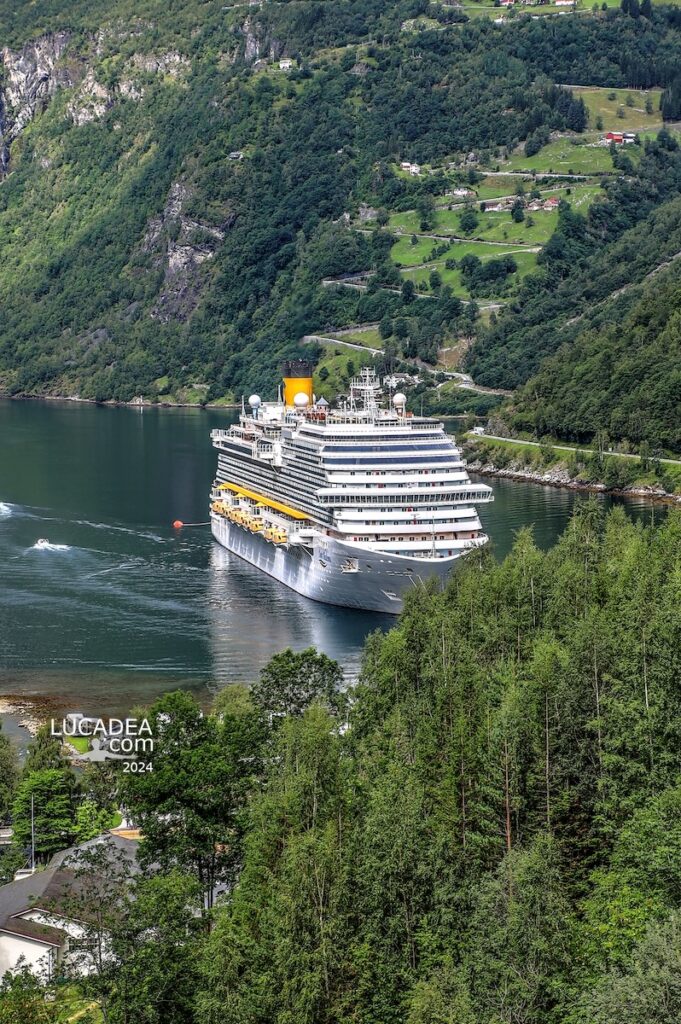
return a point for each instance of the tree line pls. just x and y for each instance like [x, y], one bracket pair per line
[483, 829]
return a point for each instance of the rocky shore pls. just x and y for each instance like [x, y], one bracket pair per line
[558, 476]
[144, 403]
[30, 712]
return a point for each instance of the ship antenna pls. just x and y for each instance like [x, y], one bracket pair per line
[243, 407]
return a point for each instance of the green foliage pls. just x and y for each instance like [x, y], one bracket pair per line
[499, 824]
[23, 998]
[137, 950]
[624, 237]
[468, 221]
[48, 794]
[44, 751]
[646, 990]
[620, 373]
[9, 772]
[92, 821]
[189, 805]
[291, 681]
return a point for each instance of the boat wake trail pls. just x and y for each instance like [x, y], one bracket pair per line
[145, 534]
[5, 510]
[45, 545]
[115, 568]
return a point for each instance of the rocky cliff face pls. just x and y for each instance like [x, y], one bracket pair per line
[31, 77]
[257, 42]
[179, 245]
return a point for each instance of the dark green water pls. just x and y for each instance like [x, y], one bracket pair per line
[125, 607]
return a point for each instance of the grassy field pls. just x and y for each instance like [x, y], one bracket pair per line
[606, 103]
[536, 229]
[493, 226]
[370, 337]
[564, 157]
[406, 255]
[335, 369]
[72, 1006]
[526, 261]
[81, 743]
[495, 187]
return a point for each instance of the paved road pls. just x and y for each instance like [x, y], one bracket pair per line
[465, 380]
[567, 448]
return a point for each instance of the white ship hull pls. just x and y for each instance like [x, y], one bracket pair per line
[377, 582]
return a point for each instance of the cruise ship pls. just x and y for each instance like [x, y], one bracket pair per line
[352, 506]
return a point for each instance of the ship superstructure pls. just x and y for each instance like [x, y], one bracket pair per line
[353, 505]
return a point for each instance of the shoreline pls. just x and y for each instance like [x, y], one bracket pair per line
[134, 403]
[30, 712]
[562, 480]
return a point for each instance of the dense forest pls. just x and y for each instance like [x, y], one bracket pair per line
[621, 375]
[170, 208]
[484, 829]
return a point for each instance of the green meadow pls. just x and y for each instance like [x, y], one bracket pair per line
[569, 155]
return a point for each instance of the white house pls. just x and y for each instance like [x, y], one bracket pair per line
[285, 64]
[35, 924]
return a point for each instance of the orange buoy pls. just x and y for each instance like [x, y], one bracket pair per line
[178, 524]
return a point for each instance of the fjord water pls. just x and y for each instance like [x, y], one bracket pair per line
[104, 605]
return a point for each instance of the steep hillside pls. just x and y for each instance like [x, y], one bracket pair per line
[172, 198]
[633, 231]
[621, 373]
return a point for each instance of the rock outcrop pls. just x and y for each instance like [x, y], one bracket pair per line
[90, 102]
[257, 43]
[179, 246]
[31, 77]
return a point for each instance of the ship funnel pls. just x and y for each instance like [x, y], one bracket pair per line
[297, 374]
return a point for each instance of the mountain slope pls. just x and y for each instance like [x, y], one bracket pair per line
[138, 258]
[621, 373]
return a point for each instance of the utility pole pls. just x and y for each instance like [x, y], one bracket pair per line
[32, 835]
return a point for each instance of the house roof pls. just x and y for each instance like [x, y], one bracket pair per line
[16, 897]
[33, 930]
[47, 889]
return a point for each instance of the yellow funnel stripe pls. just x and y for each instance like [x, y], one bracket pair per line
[243, 492]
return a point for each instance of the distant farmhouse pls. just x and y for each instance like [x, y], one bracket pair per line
[620, 138]
[413, 169]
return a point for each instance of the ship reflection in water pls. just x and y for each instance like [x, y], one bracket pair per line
[252, 617]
